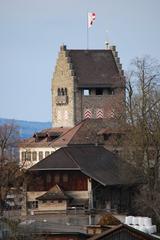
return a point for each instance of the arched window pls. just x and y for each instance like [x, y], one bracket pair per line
[62, 91]
[59, 92]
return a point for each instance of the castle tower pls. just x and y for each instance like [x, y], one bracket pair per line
[86, 84]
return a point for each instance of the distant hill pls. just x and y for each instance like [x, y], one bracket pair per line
[27, 128]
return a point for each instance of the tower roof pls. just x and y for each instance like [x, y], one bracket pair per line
[95, 68]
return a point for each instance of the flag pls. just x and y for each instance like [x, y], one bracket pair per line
[91, 19]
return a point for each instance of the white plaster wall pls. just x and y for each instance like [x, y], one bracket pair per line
[78, 194]
[27, 164]
[49, 206]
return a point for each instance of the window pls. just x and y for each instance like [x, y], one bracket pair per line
[65, 178]
[86, 92]
[65, 91]
[48, 178]
[40, 155]
[57, 178]
[62, 91]
[28, 156]
[44, 201]
[110, 91]
[99, 91]
[47, 153]
[60, 201]
[23, 154]
[32, 204]
[59, 92]
[34, 156]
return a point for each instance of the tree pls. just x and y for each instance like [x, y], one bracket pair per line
[142, 143]
[11, 175]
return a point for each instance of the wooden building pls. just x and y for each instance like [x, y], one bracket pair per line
[123, 232]
[87, 176]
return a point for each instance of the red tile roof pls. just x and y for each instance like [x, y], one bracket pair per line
[86, 132]
[45, 137]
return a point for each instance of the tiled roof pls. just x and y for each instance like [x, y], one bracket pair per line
[95, 68]
[112, 131]
[55, 193]
[94, 161]
[86, 132]
[45, 137]
[134, 234]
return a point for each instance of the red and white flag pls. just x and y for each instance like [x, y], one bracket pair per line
[91, 19]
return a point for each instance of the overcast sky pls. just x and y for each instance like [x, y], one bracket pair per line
[31, 32]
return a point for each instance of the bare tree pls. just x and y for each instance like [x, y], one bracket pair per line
[10, 174]
[142, 143]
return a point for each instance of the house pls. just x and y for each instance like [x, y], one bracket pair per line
[122, 232]
[89, 131]
[94, 91]
[87, 84]
[94, 132]
[83, 177]
[37, 147]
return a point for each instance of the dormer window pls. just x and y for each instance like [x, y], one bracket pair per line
[86, 92]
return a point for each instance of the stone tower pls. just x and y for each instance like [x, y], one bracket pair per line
[86, 84]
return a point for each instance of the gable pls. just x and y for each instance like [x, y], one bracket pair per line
[94, 161]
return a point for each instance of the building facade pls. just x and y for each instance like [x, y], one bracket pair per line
[87, 84]
[81, 176]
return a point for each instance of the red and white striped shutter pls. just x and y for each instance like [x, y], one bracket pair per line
[99, 113]
[87, 113]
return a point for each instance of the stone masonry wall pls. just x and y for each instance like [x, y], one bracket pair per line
[108, 103]
[63, 115]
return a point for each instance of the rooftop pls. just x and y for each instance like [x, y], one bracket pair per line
[94, 161]
[102, 67]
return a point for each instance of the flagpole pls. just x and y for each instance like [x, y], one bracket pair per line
[87, 33]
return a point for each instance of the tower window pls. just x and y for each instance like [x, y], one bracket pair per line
[110, 91]
[99, 91]
[59, 92]
[86, 92]
[62, 91]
